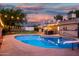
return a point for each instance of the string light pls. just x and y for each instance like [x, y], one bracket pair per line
[12, 17]
[5, 16]
[18, 18]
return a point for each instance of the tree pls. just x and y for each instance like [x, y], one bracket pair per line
[70, 12]
[58, 17]
[77, 13]
[12, 17]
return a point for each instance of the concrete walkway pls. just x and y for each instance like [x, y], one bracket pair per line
[13, 47]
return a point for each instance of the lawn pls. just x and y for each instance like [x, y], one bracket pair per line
[24, 32]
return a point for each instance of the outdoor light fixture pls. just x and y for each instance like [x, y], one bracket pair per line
[18, 18]
[45, 28]
[58, 28]
[1, 22]
[49, 28]
[12, 17]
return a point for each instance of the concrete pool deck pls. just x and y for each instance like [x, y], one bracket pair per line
[13, 47]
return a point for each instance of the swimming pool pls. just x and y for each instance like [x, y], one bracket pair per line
[45, 42]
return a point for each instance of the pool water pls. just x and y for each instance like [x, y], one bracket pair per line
[45, 42]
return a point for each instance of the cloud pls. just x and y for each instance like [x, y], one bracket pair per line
[30, 7]
[38, 17]
[43, 11]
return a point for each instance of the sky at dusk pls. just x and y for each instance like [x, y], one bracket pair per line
[42, 11]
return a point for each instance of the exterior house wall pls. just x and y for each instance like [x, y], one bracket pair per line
[69, 30]
[29, 28]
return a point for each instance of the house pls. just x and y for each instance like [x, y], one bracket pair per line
[30, 26]
[49, 29]
[69, 28]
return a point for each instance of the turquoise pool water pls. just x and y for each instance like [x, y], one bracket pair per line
[45, 42]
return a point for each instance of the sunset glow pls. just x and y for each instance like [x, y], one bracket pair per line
[38, 17]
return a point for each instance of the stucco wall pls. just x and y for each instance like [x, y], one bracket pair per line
[69, 30]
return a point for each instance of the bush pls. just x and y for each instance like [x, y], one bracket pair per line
[5, 31]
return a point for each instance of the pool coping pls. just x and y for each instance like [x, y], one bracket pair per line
[15, 47]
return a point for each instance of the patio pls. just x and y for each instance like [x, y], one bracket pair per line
[12, 47]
